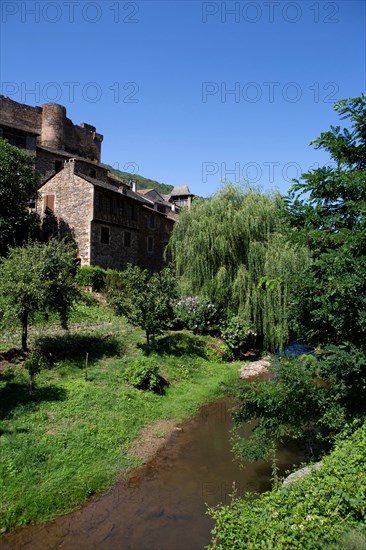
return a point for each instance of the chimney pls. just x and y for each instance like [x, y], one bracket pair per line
[69, 169]
[134, 186]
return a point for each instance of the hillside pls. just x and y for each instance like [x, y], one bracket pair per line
[142, 183]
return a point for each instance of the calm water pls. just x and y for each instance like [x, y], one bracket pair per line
[162, 506]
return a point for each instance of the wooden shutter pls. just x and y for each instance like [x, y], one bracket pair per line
[49, 202]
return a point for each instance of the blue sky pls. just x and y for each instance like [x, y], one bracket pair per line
[191, 92]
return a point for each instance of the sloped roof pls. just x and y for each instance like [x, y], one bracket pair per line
[180, 190]
[129, 193]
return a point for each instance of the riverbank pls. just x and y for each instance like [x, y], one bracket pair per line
[76, 436]
[162, 504]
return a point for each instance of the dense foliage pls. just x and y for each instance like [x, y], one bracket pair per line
[145, 300]
[91, 276]
[18, 185]
[232, 248]
[239, 335]
[37, 278]
[315, 399]
[308, 513]
[195, 313]
[144, 374]
[327, 210]
[308, 399]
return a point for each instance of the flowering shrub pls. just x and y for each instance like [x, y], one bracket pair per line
[196, 313]
[239, 335]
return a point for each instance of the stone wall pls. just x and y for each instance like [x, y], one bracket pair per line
[45, 165]
[120, 250]
[54, 128]
[154, 233]
[120, 215]
[73, 206]
[12, 112]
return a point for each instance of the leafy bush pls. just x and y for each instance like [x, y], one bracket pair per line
[310, 399]
[308, 513]
[144, 374]
[239, 335]
[92, 276]
[145, 300]
[195, 313]
[289, 405]
[344, 366]
[114, 280]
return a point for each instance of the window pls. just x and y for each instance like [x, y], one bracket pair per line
[150, 244]
[58, 165]
[127, 239]
[133, 213]
[93, 173]
[49, 202]
[104, 235]
[161, 208]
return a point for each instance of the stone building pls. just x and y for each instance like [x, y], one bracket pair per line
[113, 224]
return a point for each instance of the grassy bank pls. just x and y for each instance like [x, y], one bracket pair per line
[326, 509]
[72, 438]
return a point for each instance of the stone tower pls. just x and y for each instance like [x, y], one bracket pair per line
[53, 126]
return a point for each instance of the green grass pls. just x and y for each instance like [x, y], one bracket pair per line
[71, 440]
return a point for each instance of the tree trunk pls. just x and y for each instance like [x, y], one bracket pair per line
[24, 331]
[148, 338]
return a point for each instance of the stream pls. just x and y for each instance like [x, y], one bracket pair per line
[162, 505]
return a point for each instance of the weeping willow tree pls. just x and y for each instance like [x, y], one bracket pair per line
[232, 248]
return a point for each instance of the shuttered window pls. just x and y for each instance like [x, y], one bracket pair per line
[49, 202]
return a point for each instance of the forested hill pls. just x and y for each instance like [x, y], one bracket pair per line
[142, 183]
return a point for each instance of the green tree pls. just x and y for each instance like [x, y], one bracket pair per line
[34, 278]
[327, 210]
[146, 301]
[233, 248]
[18, 184]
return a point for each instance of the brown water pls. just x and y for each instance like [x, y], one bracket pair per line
[162, 506]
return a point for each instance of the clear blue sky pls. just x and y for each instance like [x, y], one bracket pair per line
[155, 78]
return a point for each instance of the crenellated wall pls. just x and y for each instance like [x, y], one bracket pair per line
[54, 129]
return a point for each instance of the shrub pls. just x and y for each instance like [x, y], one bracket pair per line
[92, 276]
[239, 335]
[309, 513]
[144, 374]
[114, 280]
[195, 313]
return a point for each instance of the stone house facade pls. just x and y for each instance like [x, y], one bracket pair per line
[112, 223]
